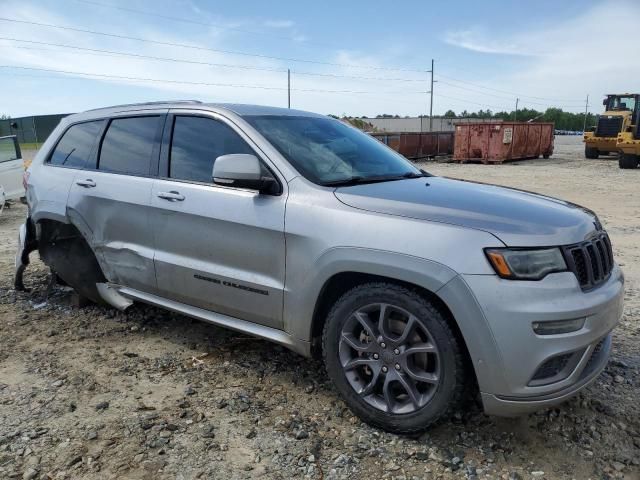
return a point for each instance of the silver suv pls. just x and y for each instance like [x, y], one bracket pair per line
[299, 229]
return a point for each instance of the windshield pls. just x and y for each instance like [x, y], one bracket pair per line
[622, 103]
[326, 151]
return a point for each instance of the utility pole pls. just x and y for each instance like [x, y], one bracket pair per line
[431, 100]
[515, 114]
[288, 88]
[586, 112]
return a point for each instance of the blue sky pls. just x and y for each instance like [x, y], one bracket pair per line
[346, 57]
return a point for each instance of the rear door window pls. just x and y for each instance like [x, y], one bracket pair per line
[196, 143]
[8, 149]
[128, 145]
[75, 146]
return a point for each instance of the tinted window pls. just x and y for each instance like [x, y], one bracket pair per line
[128, 145]
[76, 144]
[7, 150]
[326, 150]
[196, 143]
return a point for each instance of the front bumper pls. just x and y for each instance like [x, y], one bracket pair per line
[626, 143]
[497, 324]
[596, 358]
[605, 144]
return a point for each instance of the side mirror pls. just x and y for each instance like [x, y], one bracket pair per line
[605, 101]
[241, 170]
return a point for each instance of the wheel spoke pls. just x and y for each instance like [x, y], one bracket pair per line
[360, 362]
[388, 394]
[367, 324]
[356, 344]
[382, 317]
[410, 388]
[419, 348]
[370, 387]
[408, 329]
[423, 377]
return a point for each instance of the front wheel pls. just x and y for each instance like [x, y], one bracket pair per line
[626, 160]
[590, 152]
[393, 357]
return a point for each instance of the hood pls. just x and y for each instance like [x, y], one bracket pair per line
[516, 217]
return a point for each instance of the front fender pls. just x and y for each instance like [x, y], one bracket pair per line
[304, 288]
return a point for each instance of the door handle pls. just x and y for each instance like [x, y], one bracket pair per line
[172, 196]
[88, 183]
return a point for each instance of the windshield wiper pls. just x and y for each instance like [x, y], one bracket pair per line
[359, 179]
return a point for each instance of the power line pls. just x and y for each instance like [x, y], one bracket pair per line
[199, 22]
[195, 47]
[474, 103]
[392, 100]
[196, 62]
[506, 91]
[186, 82]
[503, 97]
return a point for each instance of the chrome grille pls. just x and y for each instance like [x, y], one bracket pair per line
[590, 261]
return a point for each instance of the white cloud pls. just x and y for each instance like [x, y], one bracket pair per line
[279, 23]
[71, 95]
[590, 53]
[477, 40]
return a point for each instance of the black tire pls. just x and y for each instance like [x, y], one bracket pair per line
[626, 161]
[446, 395]
[590, 152]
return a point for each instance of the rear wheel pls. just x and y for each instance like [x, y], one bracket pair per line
[626, 160]
[591, 152]
[393, 357]
[69, 256]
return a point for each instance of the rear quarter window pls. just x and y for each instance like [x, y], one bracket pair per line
[76, 145]
[128, 145]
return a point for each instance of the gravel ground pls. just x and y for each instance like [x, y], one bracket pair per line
[89, 392]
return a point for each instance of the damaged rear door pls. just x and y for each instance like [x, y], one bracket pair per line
[110, 201]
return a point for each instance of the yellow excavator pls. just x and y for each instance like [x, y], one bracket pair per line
[628, 143]
[619, 118]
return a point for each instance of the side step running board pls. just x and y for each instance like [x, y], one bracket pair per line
[268, 333]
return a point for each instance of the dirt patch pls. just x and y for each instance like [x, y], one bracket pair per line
[96, 394]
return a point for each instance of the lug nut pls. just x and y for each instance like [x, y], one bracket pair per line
[397, 366]
[396, 351]
[384, 369]
[376, 356]
[383, 345]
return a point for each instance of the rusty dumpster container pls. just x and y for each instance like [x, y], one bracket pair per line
[418, 145]
[503, 141]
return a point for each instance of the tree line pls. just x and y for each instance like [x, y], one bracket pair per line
[563, 120]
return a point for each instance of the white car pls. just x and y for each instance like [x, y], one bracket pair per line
[11, 170]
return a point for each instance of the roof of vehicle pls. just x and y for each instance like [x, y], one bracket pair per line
[237, 108]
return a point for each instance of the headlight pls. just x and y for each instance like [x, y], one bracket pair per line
[523, 264]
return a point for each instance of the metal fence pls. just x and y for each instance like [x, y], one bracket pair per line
[34, 129]
[420, 124]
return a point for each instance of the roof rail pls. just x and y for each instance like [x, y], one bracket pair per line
[143, 104]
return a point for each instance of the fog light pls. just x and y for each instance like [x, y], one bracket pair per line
[556, 327]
